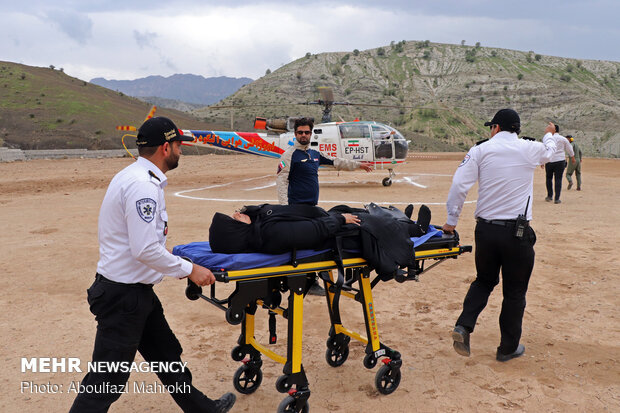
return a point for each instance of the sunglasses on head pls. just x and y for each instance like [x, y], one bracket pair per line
[304, 132]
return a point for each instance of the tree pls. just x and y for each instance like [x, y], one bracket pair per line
[380, 52]
[477, 45]
[520, 76]
[308, 55]
[52, 67]
[470, 55]
[462, 42]
[538, 57]
[268, 71]
[356, 52]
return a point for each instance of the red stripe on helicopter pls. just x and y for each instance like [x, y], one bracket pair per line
[259, 142]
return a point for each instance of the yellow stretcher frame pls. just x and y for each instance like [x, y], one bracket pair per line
[254, 285]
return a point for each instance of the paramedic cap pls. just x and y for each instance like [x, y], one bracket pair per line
[506, 118]
[159, 130]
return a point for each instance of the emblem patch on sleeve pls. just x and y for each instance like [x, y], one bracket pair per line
[465, 160]
[281, 166]
[146, 209]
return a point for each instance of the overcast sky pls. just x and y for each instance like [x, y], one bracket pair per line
[132, 39]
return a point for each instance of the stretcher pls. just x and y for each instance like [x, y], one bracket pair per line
[260, 281]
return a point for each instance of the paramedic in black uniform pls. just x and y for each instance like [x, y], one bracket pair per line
[504, 168]
[133, 225]
[297, 181]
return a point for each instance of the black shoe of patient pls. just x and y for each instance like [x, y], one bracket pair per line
[517, 353]
[460, 335]
[225, 403]
[409, 210]
[424, 217]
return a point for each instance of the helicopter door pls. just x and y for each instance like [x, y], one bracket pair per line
[383, 142]
[356, 142]
[325, 140]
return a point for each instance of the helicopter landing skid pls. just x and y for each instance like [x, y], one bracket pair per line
[387, 181]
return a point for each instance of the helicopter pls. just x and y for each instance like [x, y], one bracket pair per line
[372, 142]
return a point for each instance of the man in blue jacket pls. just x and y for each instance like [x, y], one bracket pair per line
[298, 172]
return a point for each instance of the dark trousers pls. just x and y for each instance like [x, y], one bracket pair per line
[497, 248]
[130, 318]
[554, 170]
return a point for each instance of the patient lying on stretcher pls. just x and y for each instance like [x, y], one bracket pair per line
[275, 229]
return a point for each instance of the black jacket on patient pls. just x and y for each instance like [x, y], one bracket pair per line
[275, 229]
[383, 236]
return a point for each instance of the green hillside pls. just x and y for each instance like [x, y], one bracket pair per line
[43, 108]
[452, 90]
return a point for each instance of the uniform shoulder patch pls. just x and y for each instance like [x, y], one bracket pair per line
[465, 160]
[482, 141]
[527, 138]
[146, 209]
[281, 166]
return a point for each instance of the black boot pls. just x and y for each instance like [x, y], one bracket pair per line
[409, 210]
[424, 218]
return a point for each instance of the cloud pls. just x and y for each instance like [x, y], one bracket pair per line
[144, 39]
[125, 40]
[77, 26]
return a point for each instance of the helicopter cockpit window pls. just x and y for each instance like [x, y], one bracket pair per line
[383, 144]
[400, 145]
[354, 131]
[380, 132]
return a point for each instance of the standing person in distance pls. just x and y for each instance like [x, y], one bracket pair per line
[555, 167]
[504, 168]
[574, 166]
[297, 181]
[133, 224]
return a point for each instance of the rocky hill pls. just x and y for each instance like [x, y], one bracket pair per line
[446, 92]
[183, 87]
[43, 108]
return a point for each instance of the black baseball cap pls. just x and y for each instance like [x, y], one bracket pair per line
[159, 130]
[505, 118]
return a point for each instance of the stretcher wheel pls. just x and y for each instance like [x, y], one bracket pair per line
[387, 379]
[336, 357]
[338, 340]
[237, 354]
[281, 384]
[370, 361]
[247, 379]
[235, 318]
[288, 405]
[387, 181]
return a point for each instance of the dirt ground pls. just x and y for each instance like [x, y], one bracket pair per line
[571, 331]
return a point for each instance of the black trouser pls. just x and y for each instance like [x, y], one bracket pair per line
[129, 318]
[497, 248]
[554, 169]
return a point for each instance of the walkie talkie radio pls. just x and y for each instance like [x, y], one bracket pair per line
[521, 222]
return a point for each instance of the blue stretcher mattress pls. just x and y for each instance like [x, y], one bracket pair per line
[201, 254]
